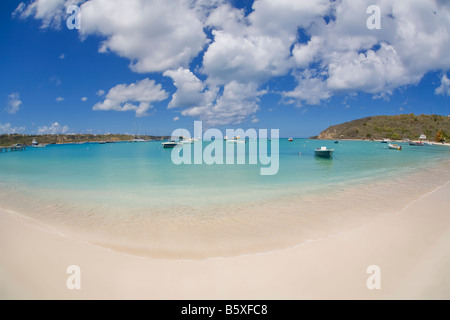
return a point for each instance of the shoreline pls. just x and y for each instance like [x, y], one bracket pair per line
[240, 229]
[247, 228]
[411, 247]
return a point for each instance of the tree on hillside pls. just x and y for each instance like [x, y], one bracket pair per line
[440, 136]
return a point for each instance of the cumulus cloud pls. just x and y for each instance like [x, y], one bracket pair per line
[7, 128]
[59, 99]
[311, 88]
[84, 99]
[444, 88]
[155, 35]
[189, 88]
[324, 45]
[176, 119]
[414, 39]
[100, 93]
[137, 97]
[14, 103]
[54, 128]
[257, 47]
[237, 102]
[52, 13]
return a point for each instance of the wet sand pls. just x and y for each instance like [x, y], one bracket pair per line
[411, 247]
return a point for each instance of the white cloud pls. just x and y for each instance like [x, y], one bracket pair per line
[62, 56]
[311, 88]
[338, 54]
[374, 71]
[189, 88]
[8, 129]
[176, 119]
[100, 93]
[304, 54]
[233, 106]
[84, 99]
[59, 99]
[137, 97]
[14, 103]
[444, 88]
[245, 58]
[52, 13]
[154, 35]
[55, 128]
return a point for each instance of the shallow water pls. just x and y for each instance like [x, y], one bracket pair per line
[131, 197]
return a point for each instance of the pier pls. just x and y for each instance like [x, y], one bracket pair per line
[12, 149]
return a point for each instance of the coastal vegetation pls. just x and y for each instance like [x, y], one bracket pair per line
[398, 127]
[12, 139]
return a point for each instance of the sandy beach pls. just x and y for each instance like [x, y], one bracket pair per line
[411, 248]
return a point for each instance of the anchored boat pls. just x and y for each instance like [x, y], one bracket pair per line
[395, 146]
[324, 152]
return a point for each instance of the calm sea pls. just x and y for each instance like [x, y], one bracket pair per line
[131, 196]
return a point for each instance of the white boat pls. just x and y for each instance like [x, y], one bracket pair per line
[170, 144]
[385, 141]
[136, 139]
[395, 146]
[35, 144]
[236, 140]
[416, 143]
[185, 140]
[290, 139]
[323, 152]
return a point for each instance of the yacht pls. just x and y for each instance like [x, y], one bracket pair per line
[35, 144]
[170, 144]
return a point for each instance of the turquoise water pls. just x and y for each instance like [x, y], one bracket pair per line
[87, 185]
[140, 168]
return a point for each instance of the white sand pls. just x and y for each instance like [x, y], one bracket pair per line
[412, 248]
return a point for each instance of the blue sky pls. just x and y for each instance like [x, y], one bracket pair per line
[150, 67]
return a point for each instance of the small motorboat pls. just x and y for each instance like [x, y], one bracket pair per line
[416, 143]
[323, 152]
[35, 144]
[236, 140]
[170, 144]
[395, 146]
[290, 139]
[337, 141]
[385, 141]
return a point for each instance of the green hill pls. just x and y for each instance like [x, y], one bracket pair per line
[399, 127]
[11, 139]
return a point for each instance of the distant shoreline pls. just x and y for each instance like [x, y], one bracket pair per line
[7, 140]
